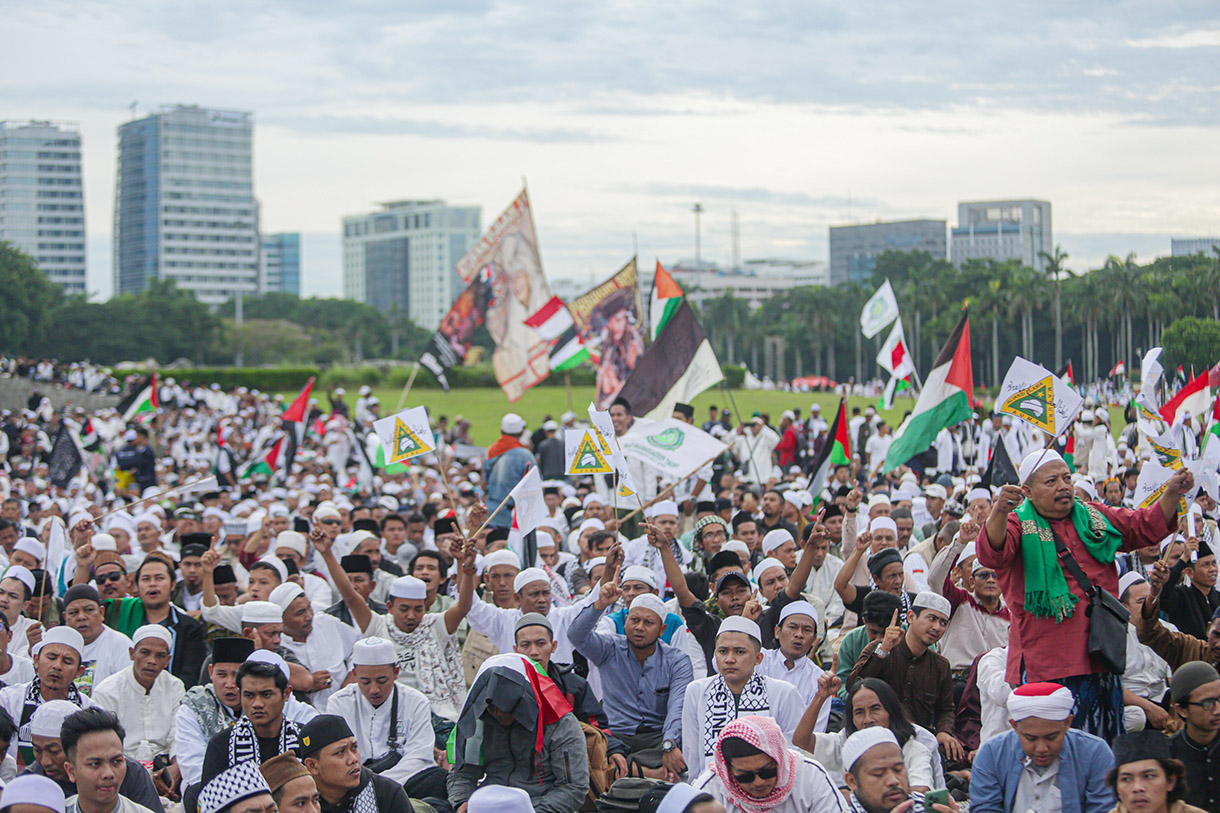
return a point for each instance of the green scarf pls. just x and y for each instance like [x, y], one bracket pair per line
[1046, 589]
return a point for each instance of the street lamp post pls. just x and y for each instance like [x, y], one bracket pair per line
[698, 210]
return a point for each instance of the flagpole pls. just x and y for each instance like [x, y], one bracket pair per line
[507, 497]
[449, 490]
[159, 495]
[402, 399]
[567, 385]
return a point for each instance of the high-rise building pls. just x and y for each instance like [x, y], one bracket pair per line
[184, 203]
[1003, 230]
[854, 249]
[1189, 246]
[281, 263]
[42, 201]
[404, 254]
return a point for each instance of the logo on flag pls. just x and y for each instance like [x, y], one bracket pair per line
[669, 439]
[1034, 405]
[587, 452]
[879, 311]
[406, 443]
[1038, 397]
[405, 435]
[1167, 455]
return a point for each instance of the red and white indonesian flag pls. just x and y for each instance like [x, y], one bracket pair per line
[1193, 399]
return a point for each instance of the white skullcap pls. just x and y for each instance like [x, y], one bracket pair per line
[765, 565]
[679, 796]
[49, 717]
[900, 495]
[650, 602]
[736, 546]
[37, 791]
[267, 656]
[326, 510]
[596, 561]
[977, 494]
[153, 631]
[800, 608]
[879, 499]
[1129, 578]
[737, 623]
[291, 540]
[664, 507]
[101, 542]
[1086, 415]
[967, 552]
[148, 517]
[410, 588]
[504, 556]
[512, 424]
[1036, 460]
[499, 799]
[882, 524]
[774, 539]
[936, 492]
[278, 510]
[353, 539]
[639, 573]
[927, 600]
[374, 652]
[528, 576]
[591, 522]
[593, 497]
[261, 612]
[285, 594]
[30, 545]
[1046, 701]
[21, 574]
[278, 566]
[862, 741]
[65, 636]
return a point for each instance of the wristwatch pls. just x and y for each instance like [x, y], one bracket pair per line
[667, 746]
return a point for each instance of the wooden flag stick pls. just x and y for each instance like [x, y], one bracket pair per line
[669, 489]
[508, 497]
[159, 495]
[402, 399]
[449, 490]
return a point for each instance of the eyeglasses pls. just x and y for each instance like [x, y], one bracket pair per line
[1206, 704]
[102, 578]
[747, 777]
[329, 522]
[984, 575]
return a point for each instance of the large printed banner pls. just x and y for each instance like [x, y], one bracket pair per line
[448, 346]
[507, 258]
[608, 318]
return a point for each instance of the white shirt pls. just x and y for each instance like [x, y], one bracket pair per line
[147, 716]
[327, 649]
[372, 728]
[803, 676]
[446, 701]
[822, 585]
[20, 670]
[498, 623]
[123, 805]
[876, 449]
[993, 693]
[785, 707]
[636, 551]
[12, 700]
[813, 790]
[18, 644]
[828, 750]
[1147, 674]
[109, 654]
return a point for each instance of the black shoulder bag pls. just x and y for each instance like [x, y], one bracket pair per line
[394, 756]
[1107, 617]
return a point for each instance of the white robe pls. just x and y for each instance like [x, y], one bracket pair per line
[372, 728]
[784, 706]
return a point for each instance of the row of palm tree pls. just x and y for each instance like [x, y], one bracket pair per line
[1094, 319]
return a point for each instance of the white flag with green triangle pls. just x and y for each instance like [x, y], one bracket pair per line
[405, 435]
[1037, 396]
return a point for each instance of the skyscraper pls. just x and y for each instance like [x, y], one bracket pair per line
[42, 202]
[854, 249]
[403, 255]
[184, 203]
[281, 263]
[1003, 230]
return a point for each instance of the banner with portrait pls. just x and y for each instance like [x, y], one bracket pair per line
[507, 258]
[449, 344]
[608, 318]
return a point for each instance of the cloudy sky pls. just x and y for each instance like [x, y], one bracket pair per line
[796, 115]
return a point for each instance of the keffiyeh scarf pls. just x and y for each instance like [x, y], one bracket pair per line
[243, 742]
[854, 805]
[764, 734]
[437, 667]
[719, 708]
[30, 703]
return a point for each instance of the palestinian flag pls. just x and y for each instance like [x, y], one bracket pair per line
[142, 403]
[554, 324]
[676, 367]
[268, 462]
[836, 450]
[1191, 400]
[539, 704]
[1212, 435]
[666, 297]
[1069, 451]
[1066, 374]
[947, 398]
[90, 440]
[299, 407]
[893, 387]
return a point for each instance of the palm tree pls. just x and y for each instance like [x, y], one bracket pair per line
[1053, 267]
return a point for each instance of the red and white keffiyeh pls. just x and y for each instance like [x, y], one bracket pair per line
[764, 734]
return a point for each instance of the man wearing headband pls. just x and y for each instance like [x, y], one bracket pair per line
[1050, 628]
[1043, 763]
[393, 722]
[643, 678]
[145, 696]
[920, 676]
[736, 690]
[56, 666]
[329, 751]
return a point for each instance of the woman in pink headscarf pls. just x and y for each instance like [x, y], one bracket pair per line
[755, 771]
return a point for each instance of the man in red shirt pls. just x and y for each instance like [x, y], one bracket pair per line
[1048, 637]
[789, 441]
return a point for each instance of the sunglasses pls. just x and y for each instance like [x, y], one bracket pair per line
[108, 577]
[746, 777]
[984, 575]
[329, 522]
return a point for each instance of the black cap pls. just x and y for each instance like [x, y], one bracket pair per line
[202, 539]
[369, 525]
[832, 510]
[356, 563]
[1205, 550]
[320, 732]
[445, 525]
[1141, 745]
[882, 558]
[723, 504]
[42, 583]
[732, 574]
[223, 574]
[290, 565]
[705, 507]
[81, 591]
[232, 650]
[496, 534]
[725, 558]
[550, 490]
[194, 550]
[685, 410]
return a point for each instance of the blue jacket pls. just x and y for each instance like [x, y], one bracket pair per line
[1083, 764]
[501, 474]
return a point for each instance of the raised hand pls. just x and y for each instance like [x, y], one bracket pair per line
[854, 498]
[1007, 500]
[321, 542]
[209, 560]
[654, 536]
[829, 684]
[752, 610]
[893, 634]
[477, 515]
[863, 540]
[818, 533]
[1182, 481]
[81, 533]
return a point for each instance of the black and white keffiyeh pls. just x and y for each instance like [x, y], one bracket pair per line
[719, 708]
[231, 786]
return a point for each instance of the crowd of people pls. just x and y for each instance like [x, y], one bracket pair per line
[179, 628]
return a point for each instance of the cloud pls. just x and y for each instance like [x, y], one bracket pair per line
[325, 126]
[695, 192]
